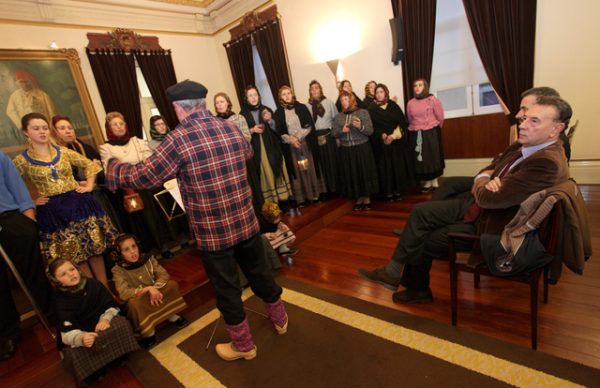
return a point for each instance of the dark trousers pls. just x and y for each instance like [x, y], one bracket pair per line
[222, 270]
[19, 238]
[425, 237]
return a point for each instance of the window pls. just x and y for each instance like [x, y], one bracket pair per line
[458, 78]
[262, 84]
[147, 104]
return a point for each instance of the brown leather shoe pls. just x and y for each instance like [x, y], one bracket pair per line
[229, 353]
[379, 275]
[413, 297]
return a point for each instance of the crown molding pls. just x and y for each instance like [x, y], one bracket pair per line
[138, 15]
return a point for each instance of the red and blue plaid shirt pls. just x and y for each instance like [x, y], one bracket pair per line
[208, 157]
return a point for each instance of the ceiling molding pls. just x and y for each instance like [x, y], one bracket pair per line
[148, 15]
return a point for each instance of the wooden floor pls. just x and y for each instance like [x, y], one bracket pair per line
[334, 242]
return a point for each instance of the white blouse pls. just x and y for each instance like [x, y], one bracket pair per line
[135, 151]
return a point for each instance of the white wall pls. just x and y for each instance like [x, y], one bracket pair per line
[315, 28]
[567, 57]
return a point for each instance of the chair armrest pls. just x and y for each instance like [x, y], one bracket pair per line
[465, 236]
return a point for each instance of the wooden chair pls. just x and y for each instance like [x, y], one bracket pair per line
[548, 236]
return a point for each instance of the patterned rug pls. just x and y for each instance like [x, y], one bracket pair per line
[334, 340]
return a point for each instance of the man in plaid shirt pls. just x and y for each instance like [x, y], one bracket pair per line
[207, 156]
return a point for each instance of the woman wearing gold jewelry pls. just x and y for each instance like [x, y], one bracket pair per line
[72, 224]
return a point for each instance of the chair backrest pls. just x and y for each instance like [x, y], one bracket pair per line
[571, 131]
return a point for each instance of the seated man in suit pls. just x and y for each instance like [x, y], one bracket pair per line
[457, 186]
[535, 162]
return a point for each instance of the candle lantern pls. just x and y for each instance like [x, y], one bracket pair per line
[133, 202]
[302, 163]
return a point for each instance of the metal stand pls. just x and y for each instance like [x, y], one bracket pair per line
[214, 330]
[17, 276]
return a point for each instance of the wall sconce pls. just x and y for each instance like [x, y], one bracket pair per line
[337, 69]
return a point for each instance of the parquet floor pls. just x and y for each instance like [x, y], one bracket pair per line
[334, 242]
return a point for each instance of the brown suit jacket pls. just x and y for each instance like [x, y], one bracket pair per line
[542, 170]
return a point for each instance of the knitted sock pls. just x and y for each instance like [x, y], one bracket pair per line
[276, 312]
[240, 336]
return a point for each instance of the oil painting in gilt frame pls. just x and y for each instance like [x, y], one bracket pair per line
[48, 82]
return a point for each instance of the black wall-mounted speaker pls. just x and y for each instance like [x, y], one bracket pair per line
[397, 40]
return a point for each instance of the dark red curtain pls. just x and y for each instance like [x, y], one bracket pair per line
[418, 17]
[504, 33]
[114, 72]
[239, 54]
[159, 74]
[271, 49]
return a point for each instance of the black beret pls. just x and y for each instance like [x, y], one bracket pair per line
[186, 90]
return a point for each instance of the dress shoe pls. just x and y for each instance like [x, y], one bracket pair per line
[366, 206]
[180, 323]
[397, 232]
[413, 297]
[379, 275]
[148, 342]
[290, 252]
[229, 353]
[166, 254]
[8, 348]
[357, 207]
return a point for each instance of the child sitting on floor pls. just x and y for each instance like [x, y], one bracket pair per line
[89, 323]
[144, 284]
[279, 234]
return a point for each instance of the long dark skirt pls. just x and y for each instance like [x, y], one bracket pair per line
[394, 165]
[328, 161]
[432, 164]
[74, 226]
[358, 171]
[150, 225]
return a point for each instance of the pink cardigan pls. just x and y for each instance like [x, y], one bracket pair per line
[424, 114]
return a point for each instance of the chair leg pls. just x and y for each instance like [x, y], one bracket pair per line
[545, 274]
[453, 291]
[534, 285]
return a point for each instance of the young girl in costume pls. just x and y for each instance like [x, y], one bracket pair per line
[144, 284]
[88, 320]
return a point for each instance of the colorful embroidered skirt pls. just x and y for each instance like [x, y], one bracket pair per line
[74, 226]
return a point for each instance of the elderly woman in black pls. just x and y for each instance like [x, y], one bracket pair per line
[300, 148]
[266, 142]
[352, 126]
[390, 145]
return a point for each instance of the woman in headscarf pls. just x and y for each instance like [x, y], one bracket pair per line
[223, 110]
[158, 131]
[346, 86]
[357, 165]
[390, 145]
[369, 94]
[323, 112]
[300, 148]
[266, 142]
[64, 134]
[149, 222]
[425, 120]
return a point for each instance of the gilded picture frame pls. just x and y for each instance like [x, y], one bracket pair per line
[48, 82]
